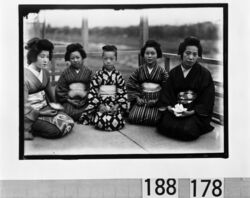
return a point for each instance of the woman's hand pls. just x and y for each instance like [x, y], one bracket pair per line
[184, 113]
[76, 102]
[170, 109]
[114, 108]
[73, 102]
[162, 109]
[151, 103]
[140, 101]
[56, 106]
[48, 112]
[102, 108]
[81, 103]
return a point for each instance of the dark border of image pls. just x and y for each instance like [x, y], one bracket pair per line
[25, 9]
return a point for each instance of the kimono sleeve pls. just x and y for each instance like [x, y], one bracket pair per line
[167, 95]
[29, 112]
[205, 100]
[93, 98]
[50, 94]
[62, 89]
[133, 86]
[121, 95]
[164, 77]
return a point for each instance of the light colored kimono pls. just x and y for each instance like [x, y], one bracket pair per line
[37, 91]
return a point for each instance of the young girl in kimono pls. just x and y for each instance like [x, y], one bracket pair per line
[73, 84]
[144, 86]
[107, 96]
[42, 117]
[187, 98]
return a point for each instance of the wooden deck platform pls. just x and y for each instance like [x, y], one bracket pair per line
[133, 139]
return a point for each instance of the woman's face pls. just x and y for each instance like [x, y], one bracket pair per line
[42, 59]
[76, 59]
[109, 60]
[190, 56]
[150, 55]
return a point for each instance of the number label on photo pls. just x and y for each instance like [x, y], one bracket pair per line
[160, 187]
[208, 188]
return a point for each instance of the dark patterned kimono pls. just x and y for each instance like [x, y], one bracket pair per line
[106, 89]
[146, 114]
[36, 95]
[68, 78]
[195, 92]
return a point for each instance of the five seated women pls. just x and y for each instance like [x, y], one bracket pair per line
[179, 103]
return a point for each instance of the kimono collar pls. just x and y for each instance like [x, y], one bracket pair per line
[39, 75]
[191, 71]
[104, 69]
[184, 69]
[152, 66]
[77, 70]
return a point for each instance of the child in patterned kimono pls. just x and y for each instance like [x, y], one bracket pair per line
[144, 86]
[42, 116]
[187, 99]
[107, 98]
[73, 84]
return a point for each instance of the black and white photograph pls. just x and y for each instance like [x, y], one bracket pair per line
[135, 99]
[123, 81]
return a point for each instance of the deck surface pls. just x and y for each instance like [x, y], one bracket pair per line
[133, 139]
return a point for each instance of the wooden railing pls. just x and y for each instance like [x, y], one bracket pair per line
[168, 63]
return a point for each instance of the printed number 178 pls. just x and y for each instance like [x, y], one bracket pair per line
[206, 188]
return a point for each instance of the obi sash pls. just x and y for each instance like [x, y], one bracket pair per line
[151, 91]
[186, 98]
[77, 90]
[37, 100]
[107, 90]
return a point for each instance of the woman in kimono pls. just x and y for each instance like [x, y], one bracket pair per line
[144, 86]
[41, 118]
[73, 84]
[107, 96]
[187, 99]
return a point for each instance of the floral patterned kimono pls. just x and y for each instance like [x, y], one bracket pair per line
[108, 89]
[146, 86]
[37, 92]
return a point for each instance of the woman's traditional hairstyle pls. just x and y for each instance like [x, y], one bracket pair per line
[109, 48]
[72, 48]
[190, 41]
[35, 46]
[155, 45]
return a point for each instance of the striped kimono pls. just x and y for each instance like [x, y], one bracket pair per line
[36, 95]
[106, 89]
[146, 86]
[73, 85]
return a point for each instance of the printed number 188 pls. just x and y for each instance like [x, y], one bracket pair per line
[160, 188]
